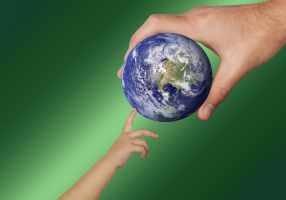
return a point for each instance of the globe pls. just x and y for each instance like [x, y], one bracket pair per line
[166, 77]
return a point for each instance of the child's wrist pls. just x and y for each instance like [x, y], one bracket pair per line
[109, 161]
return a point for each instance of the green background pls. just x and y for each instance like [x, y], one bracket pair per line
[62, 107]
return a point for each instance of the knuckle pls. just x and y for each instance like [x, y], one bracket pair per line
[203, 7]
[126, 139]
[145, 143]
[124, 135]
[128, 145]
[182, 20]
[192, 20]
[133, 39]
[154, 18]
[200, 8]
[142, 149]
[210, 17]
[221, 92]
[204, 17]
[197, 9]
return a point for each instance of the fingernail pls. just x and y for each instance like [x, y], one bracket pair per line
[208, 110]
[157, 135]
[148, 155]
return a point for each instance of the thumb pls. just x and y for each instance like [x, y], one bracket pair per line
[226, 78]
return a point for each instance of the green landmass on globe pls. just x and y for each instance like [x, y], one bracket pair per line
[175, 74]
[166, 77]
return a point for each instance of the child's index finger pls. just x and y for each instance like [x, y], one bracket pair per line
[129, 121]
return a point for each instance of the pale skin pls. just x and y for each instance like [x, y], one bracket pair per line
[92, 184]
[243, 36]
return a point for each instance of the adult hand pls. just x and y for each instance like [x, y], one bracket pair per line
[128, 143]
[243, 36]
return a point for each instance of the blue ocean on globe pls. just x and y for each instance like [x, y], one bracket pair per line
[167, 77]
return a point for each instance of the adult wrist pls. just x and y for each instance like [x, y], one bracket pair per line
[273, 14]
[278, 10]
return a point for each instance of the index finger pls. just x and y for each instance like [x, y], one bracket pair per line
[129, 121]
[161, 23]
[155, 24]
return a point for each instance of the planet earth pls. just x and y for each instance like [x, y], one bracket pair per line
[167, 77]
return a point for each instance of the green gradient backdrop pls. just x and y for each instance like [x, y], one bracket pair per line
[62, 107]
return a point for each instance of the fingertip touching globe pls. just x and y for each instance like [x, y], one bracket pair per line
[167, 77]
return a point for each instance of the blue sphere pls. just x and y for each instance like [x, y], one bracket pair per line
[167, 77]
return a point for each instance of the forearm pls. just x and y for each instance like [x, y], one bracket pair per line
[92, 184]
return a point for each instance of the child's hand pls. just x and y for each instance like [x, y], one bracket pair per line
[92, 184]
[128, 143]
